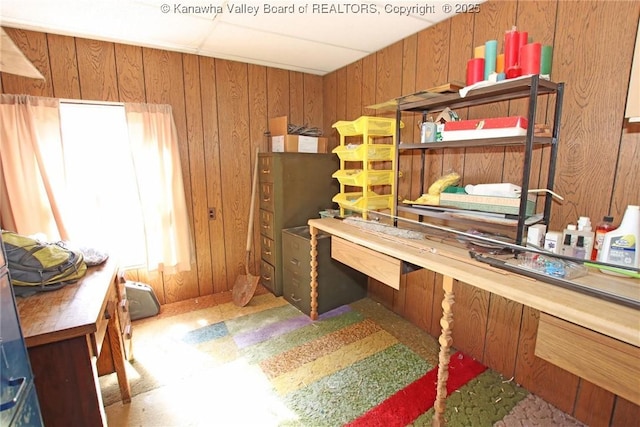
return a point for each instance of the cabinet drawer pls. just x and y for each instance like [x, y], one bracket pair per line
[296, 289]
[123, 316]
[125, 328]
[381, 267]
[265, 168]
[121, 283]
[296, 255]
[127, 342]
[267, 275]
[266, 223]
[97, 338]
[602, 360]
[266, 196]
[267, 249]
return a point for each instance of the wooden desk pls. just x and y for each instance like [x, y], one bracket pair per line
[606, 318]
[64, 331]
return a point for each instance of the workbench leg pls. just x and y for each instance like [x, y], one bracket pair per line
[445, 341]
[314, 272]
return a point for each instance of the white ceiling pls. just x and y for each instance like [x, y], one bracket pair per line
[316, 43]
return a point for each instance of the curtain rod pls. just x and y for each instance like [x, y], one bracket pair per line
[89, 102]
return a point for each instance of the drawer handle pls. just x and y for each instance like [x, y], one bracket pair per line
[267, 252]
[22, 382]
[294, 261]
[267, 278]
[295, 299]
[266, 199]
[123, 305]
[266, 226]
[127, 332]
[266, 171]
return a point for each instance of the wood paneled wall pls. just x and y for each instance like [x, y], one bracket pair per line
[221, 109]
[593, 43]
[597, 172]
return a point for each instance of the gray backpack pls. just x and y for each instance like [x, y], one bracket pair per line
[37, 266]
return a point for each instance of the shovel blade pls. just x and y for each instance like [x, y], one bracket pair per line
[244, 288]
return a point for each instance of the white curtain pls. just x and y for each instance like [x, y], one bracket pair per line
[154, 146]
[31, 166]
[39, 179]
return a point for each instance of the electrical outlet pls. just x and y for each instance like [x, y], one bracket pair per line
[212, 213]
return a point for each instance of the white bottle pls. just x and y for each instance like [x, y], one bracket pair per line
[584, 222]
[620, 246]
[553, 241]
[584, 229]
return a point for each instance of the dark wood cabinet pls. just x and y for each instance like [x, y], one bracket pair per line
[294, 187]
[66, 331]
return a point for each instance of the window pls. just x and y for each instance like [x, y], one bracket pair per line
[101, 175]
[101, 198]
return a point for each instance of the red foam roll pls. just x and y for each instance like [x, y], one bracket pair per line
[530, 58]
[514, 72]
[475, 70]
[523, 38]
[511, 46]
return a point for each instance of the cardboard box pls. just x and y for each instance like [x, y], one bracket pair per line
[299, 144]
[281, 142]
[484, 128]
[279, 126]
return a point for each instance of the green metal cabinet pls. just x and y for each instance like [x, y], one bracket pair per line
[338, 284]
[294, 187]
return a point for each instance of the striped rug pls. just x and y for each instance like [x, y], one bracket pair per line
[359, 365]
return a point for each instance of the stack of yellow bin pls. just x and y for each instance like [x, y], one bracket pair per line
[373, 158]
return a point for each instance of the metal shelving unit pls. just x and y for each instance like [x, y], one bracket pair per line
[532, 88]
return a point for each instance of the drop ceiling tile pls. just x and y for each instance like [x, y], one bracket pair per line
[134, 24]
[311, 41]
[277, 49]
[366, 32]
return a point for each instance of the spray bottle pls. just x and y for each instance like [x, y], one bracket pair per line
[620, 246]
[602, 228]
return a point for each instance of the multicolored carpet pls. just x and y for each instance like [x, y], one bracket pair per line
[358, 365]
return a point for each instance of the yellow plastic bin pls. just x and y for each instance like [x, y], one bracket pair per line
[356, 201]
[356, 177]
[357, 152]
[373, 126]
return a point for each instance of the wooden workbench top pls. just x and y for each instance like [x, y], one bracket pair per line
[68, 312]
[611, 319]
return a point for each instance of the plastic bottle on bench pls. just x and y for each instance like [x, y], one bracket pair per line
[602, 228]
[620, 246]
[584, 230]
